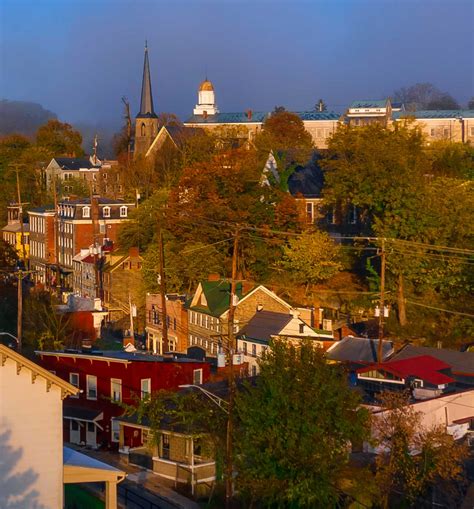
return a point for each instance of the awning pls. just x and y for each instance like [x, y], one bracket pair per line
[83, 415]
[80, 468]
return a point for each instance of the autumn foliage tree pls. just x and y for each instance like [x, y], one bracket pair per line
[412, 458]
[60, 138]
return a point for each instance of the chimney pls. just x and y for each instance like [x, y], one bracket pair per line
[214, 277]
[249, 114]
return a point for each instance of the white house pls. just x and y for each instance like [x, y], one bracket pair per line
[33, 464]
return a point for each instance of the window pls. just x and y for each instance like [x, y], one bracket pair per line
[91, 387]
[174, 323]
[472, 131]
[197, 377]
[254, 350]
[309, 212]
[352, 214]
[244, 348]
[123, 211]
[146, 437]
[74, 426]
[446, 132]
[115, 431]
[165, 447]
[116, 389]
[433, 133]
[86, 212]
[142, 129]
[102, 228]
[145, 386]
[254, 370]
[106, 211]
[74, 380]
[301, 328]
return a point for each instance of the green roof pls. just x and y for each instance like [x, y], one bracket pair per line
[217, 295]
[434, 114]
[369, 104]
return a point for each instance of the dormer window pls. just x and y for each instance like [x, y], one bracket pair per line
[106, 211]
[123, 211]
[86, 212]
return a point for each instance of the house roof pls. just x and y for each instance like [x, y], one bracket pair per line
[116, 355]
[307, 181]
[265, 324]
[16, 228]
[228, 118]
[217, 294]
[434, 114]
[369, 104]
[100, 200]
[425, 367]
[74, 163]
[358, 350]
[318, 115]
[460, 362]
[82, 414]
[8, 353]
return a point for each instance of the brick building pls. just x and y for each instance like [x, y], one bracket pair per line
[108, 376]
[82, 223]
[42, 245]
[177, 323]
[209, 307]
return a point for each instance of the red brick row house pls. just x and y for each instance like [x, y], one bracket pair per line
[106, 378]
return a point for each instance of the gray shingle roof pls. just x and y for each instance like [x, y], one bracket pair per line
[307, 181]
[73, 163]
[265, 324]
[460, 362]
[362, 350]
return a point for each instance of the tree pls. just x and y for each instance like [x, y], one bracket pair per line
[292, 453]
[284, 132]
[425, 96]
[61, 139]
[312, 257]
[412, 458]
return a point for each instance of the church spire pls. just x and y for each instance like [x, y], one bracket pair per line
[146, 103]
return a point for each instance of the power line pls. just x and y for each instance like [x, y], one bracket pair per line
[439, 309]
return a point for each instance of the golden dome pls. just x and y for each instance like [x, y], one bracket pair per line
[206, 85]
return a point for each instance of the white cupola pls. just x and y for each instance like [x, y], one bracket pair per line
[206, 100]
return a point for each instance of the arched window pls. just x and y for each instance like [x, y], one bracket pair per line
[106, 211]
[142, 129]
[86, 212]
[123, 211]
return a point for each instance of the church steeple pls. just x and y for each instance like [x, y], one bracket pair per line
[146, 122]
[146, 103]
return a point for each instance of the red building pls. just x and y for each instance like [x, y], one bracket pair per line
[107, 377]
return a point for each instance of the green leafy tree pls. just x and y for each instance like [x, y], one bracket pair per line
[61, 139]
[412, 458]
[312, 257]
[294, 429]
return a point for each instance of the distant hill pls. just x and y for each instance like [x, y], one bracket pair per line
[22, 117]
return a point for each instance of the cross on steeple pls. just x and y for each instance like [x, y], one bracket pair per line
[146, 103]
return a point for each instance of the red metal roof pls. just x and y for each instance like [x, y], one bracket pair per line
[424, 367]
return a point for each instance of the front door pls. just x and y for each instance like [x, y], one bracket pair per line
[91, 434]
[74, 432]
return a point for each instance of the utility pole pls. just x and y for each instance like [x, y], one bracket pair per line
[56, 235]
[382, 301]
[231, 379]
[20, 216]
[163, 288]
[19, 320]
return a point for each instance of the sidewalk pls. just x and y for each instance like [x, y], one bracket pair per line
[138, 479]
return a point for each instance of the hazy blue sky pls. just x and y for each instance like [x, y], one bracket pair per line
[79, 57]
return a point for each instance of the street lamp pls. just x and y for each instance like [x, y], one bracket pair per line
[213, 397]
[11, 345]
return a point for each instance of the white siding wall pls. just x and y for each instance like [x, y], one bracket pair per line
[34, 419]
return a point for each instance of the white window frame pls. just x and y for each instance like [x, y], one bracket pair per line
[72, 383]
[118, 383]
[106, 211]
[199, 373]
[123, 211]
[89, 378]
[115, 431]
[86, 212]
[143, 394]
